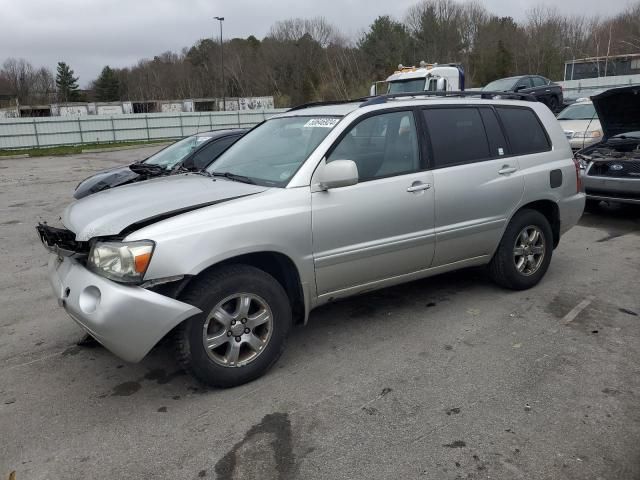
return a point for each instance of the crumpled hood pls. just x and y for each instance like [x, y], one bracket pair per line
[618, 110]
[110, 212]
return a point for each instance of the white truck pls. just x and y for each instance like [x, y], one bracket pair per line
[431, 77]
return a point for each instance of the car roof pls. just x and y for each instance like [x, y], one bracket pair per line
[509, 78]
[387, 102]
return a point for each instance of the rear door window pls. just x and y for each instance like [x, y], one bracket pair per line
[497, 142]
[457, 136]
[524, 130]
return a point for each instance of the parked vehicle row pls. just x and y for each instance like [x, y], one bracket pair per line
[313, 205]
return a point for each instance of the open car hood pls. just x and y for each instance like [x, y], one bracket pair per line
[127, 208]
[618, 110]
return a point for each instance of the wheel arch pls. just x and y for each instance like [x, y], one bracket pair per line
[550, 210]
[279, 266]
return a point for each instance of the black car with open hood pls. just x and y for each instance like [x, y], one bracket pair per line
[191, 153]
[612, 166]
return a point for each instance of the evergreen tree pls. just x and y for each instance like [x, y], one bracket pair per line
[504, 59]
[107, 86]
[386, 44]
[66, 84]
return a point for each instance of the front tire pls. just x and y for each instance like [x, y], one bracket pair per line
[241, 332]
[524, 253]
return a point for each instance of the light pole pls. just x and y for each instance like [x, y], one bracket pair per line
[224, 99]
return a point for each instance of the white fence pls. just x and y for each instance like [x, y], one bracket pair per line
[586, 87]
[53, 131]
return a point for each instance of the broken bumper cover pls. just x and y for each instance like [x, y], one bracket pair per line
[127, 320]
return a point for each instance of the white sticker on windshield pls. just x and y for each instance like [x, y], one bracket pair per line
[321, 123]
[203, 139]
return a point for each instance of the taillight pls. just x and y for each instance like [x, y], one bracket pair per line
[576, 163]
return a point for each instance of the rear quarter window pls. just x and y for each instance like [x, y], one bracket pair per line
[524, 130]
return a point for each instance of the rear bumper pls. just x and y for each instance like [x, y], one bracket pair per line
[571, 209]
[127, 320]
[622, 190]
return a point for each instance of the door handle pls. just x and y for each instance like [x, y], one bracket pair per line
[506, 170]
[417, 186]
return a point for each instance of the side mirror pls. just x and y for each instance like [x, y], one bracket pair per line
[441, 85]
[339, 173]
[519, 87]
[372, 90]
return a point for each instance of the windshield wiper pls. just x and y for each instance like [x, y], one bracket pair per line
[233, 176]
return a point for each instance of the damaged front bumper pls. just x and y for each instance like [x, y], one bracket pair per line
[127, 320]
[620, 189]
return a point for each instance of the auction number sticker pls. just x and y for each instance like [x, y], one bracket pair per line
[321, 123]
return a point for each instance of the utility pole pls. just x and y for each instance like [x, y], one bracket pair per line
[224, 99]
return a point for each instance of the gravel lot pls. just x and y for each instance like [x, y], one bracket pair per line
[444, 378]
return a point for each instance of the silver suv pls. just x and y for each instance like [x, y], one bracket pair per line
[314, 205]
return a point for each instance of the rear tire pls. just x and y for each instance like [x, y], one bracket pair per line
[553, 104]
[245, 320]
[524, 253]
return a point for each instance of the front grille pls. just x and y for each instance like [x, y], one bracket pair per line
[61, 241]
[616, 168]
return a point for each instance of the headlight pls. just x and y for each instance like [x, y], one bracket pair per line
[588, 134]
[124, 262]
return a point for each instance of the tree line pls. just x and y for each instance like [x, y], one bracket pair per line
[304, 60]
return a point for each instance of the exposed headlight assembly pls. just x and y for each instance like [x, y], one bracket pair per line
[124, 262]
[588, 134]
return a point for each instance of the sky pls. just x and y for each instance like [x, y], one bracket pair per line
[89, 34]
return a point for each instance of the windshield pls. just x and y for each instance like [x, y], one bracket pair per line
[407, 86]
[175, 153]
[502, 85]
[583, 111]
[271, 153]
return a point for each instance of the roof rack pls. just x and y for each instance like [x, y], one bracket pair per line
[378, 99]
[465, 93]
[329, 102]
